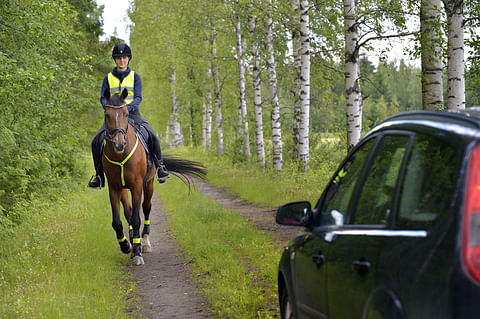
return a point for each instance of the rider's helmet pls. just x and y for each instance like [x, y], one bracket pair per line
[121, 49]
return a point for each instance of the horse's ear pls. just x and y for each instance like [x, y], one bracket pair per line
[106, 94]
[124, 94]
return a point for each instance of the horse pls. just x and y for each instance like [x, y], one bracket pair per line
[126, 166]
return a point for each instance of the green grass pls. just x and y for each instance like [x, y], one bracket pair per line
[266, 187]
[65, 263]
[234, 262]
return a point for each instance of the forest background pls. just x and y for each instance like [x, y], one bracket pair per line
[53, 62]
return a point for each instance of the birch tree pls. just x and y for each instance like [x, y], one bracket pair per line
[257, 88]
[305, 86]
[176, 135]
[431, 54]
[455, 54]
[216, 90]
[207, 112]
[272, 83]
[297, 71]
[353, 93]
[242, 102]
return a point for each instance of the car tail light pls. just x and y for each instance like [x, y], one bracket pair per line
[471, 217]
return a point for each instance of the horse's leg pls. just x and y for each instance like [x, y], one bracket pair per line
[147, 206]
[127, 212]
[125, 245]
[137, 243]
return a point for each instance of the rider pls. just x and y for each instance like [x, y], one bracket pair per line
[120, 78]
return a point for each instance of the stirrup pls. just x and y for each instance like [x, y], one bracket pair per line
[162, 174]
[96, 182]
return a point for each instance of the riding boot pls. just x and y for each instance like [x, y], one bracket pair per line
[98, 180]
[162, 173]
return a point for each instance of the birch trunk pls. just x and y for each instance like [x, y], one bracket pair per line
[272, 83]
[175, 128]
[297, 67]
[352, 75]
[304, 128]
[456, 59]
[257, 93]
[207, 112]
[432, 66]
[242, 102]
[216, 92]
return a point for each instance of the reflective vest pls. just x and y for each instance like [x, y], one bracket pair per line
[116, 87]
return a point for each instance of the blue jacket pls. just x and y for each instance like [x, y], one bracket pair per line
[133, 107]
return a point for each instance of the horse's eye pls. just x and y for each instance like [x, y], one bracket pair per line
[127, 115]
[107, 116]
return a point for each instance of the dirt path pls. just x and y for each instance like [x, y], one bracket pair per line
[163, 284]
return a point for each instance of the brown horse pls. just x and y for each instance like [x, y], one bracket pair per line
[125, 164]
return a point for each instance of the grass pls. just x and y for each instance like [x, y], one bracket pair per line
[266, 187]
[234, 262]
[64, 263]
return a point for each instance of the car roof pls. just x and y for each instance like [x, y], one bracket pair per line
[462, 122]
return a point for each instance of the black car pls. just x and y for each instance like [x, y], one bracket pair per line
[396, 232]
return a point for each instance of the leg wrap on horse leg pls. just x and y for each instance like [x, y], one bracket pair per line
[146, 227]
[125, 245]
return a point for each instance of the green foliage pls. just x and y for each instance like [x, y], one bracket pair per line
[47, 95]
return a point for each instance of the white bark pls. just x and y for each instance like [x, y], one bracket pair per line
[257, 94]
[432, 66]
[304, 128]
[207, 114]
[176, 137]
[216, 92]
[242, 102]
[456, 59]
[352, 75]
[272, 83]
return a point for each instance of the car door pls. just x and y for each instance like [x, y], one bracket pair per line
[309, 259]
[417, 258]
[354, 248]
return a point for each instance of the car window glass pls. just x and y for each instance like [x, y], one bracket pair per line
[377, 193]
[429, 182]
[341, 189]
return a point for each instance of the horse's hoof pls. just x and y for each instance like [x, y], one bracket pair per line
[126, 247]
[146, 246]
[138, 260]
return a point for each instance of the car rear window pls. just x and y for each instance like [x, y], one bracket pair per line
[428, 183]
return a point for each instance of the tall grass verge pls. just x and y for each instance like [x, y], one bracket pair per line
[234, 262]
[266, 187]
[63, 262]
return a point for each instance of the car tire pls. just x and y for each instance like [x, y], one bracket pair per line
[286, 310]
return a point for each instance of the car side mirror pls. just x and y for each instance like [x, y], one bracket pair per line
[294, 214]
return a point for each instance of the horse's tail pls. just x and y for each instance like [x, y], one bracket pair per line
[185, 169]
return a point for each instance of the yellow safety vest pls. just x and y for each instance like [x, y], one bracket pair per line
[116, 87]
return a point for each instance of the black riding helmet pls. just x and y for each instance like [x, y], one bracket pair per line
[121, 49]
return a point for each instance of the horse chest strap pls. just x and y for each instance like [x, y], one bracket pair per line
[122, 163]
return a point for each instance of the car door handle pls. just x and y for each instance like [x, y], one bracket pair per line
[362, 266]
[318, 259]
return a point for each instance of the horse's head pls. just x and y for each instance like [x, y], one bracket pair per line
[116, 120]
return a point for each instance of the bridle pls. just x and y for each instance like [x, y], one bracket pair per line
[110, 134]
